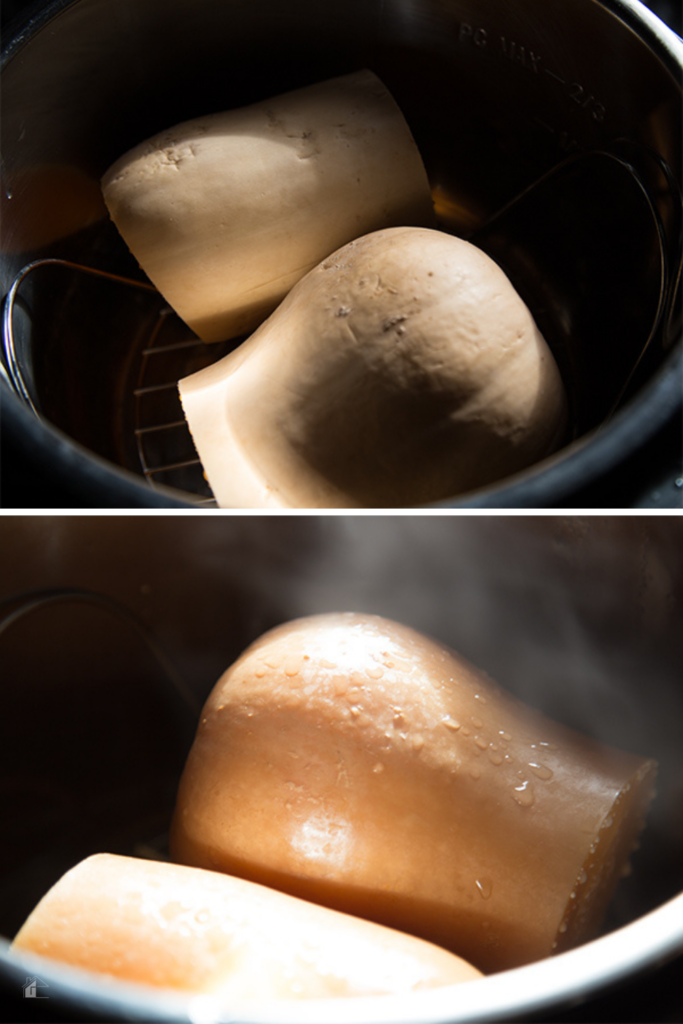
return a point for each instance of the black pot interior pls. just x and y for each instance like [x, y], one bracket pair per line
[496, 97]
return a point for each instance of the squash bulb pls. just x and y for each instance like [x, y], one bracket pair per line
[402, 370]
[356, 763]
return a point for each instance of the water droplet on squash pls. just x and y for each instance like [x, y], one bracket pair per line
[523, 794]
[485, 887]
[541, 771]
[451, 723]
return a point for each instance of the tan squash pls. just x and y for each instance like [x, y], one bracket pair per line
[359, 764]
[183, 928]
[226, 212]
[403, 370]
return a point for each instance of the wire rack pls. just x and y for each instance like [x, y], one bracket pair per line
[159, 443]
[164, 444]
[166, 351]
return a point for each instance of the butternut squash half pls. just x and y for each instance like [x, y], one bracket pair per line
[356, 763]
[183, 928]
[404, 369]
[225, 212]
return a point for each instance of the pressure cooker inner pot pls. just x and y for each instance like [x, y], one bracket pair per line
[497, 98]
[110, 646]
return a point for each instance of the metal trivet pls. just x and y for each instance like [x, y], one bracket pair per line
[165, 447]
[167, 351]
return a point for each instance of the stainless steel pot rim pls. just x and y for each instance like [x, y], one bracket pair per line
[568, 978]
[636, 14]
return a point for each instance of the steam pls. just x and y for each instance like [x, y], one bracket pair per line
[578, 617]
[573, 616]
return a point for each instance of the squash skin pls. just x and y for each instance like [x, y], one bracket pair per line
[225, 213]
[403, 370]
[177, 927]
[356, 763]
